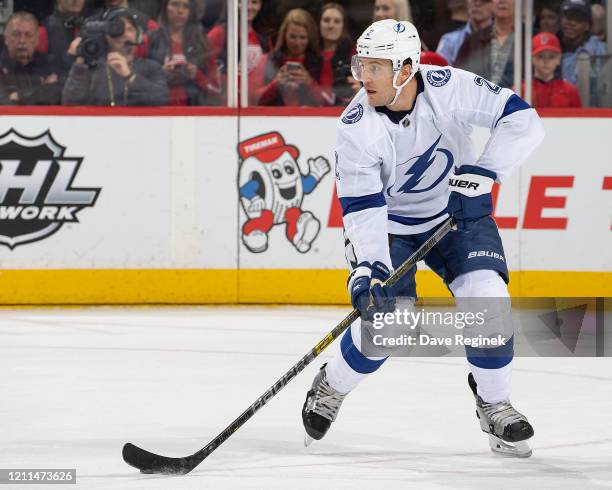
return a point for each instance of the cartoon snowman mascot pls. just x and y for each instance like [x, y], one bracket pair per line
[272, 186]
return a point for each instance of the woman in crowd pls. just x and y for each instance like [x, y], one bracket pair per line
[548, 16]
[290, 74]
[259, 42]
[182, 50]
[392, 9]
[337, 49]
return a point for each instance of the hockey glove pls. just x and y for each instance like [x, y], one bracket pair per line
[368, 293]
[470, 197]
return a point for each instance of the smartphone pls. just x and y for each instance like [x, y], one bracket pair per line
[293, 66]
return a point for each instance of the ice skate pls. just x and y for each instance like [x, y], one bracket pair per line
[307, 230]
[508, 429]
[320, 408]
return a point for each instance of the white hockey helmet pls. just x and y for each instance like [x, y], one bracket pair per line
[392, 40]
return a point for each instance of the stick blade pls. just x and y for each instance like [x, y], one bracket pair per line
[153, 463]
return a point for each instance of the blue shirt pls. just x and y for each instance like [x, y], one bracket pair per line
[451, 42]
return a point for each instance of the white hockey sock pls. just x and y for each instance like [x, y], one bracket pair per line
[494, 385]
[342, 377]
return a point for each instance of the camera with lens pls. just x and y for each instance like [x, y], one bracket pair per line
[93, 47]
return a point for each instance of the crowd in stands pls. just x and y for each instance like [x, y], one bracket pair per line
[174, 52]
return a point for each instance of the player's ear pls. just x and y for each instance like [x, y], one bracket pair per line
[406, 71]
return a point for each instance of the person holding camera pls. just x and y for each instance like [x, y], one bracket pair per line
[26, 77]
[106, 72]
[181, 48]
[290, 74]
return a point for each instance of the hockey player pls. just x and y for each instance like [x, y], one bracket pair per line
[405, 162]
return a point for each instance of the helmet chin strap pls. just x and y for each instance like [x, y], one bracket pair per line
[399, 88]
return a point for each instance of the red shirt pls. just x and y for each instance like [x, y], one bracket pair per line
[556, 93]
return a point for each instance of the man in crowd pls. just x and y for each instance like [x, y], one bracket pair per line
[119, 78]
[60, 29]
[480, 17]
[576, 38]
[489, 51]
[26, 77]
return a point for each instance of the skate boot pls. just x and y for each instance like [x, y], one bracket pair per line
[508, 429]
[320, 408]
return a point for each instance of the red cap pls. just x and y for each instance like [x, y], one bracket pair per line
[433, 58]
[545, 41]
[266, 147]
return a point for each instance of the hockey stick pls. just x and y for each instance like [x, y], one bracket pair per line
[148, 462]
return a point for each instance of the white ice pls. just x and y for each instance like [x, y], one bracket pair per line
[76, 384]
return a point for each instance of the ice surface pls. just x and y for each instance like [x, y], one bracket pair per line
[76, 384]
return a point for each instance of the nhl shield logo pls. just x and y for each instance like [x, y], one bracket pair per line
[37, 196]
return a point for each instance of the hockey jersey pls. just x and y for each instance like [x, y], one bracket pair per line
[392, 176]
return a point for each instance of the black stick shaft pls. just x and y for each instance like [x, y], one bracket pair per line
[151, 463]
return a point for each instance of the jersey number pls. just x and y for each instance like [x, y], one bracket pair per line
[490, 85]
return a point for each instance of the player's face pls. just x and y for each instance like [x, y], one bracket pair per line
[296, 39]
[331, 25]
[377, 78]
[545, 63]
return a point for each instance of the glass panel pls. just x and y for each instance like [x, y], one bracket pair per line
[114, 53]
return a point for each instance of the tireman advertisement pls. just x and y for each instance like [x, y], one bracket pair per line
[273, 183]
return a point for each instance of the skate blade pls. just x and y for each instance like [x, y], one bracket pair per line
[307, 440]
[519, 449]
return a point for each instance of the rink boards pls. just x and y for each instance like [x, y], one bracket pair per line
[99, 209]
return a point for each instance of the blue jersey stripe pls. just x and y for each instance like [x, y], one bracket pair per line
[354, 204]
[491, 357]
[514, 104]
[414, 221]
[355, 359]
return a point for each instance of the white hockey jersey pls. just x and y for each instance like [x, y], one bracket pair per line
[393, 177]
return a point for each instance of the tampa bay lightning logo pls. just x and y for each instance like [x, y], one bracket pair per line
[353, 115]
[416, 172]
[399, 27]
[438, 78]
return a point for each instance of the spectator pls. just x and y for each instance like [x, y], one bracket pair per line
[548, 16]
[480, 17]
[119, 78]
[337, 50]
[145, 23]
[259, 43]
[181, 48]
[152, 8]
[26, 77]
[548, 89]
[392, 9]
[60, 29]
[290, 74]
[489, 52]
[598, 14]
[576, 38]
